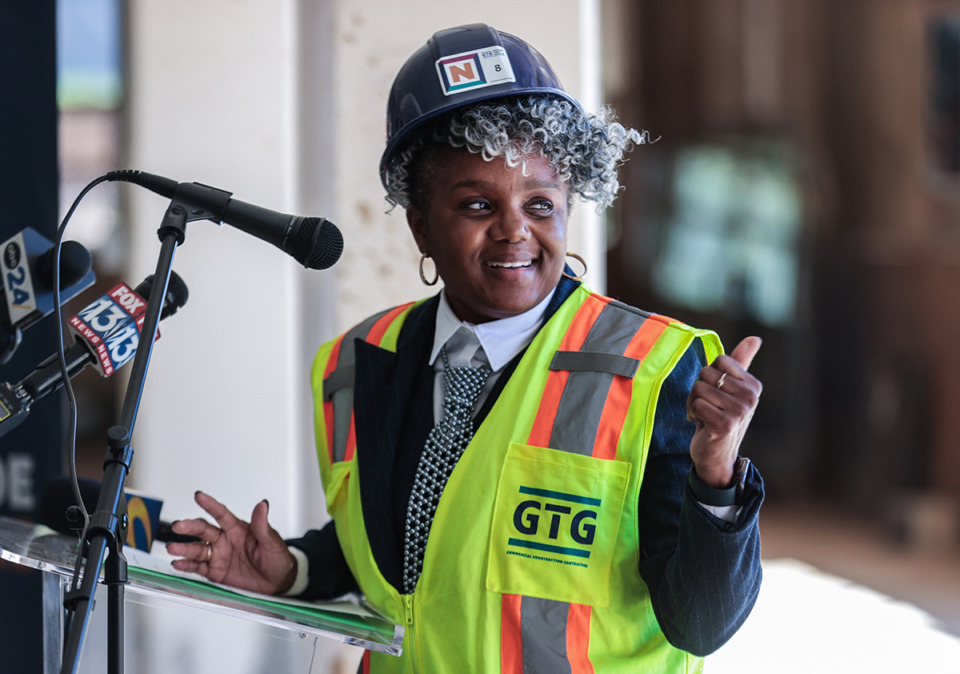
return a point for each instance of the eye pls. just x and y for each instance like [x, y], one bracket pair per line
[540, 207]
[476, 205]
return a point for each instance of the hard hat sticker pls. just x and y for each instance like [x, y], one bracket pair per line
[474, 70]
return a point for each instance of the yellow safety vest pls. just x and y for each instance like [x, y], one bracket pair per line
[532, 560]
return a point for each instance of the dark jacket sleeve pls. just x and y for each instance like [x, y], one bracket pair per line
[329, 576]
[703, 573]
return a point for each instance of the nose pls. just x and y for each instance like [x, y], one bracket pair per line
[511, 226]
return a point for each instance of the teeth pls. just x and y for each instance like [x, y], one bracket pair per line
[511, 265]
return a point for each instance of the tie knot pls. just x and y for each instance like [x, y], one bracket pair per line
[462, 385]
[464, 349]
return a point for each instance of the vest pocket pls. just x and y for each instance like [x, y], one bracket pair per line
[555, 525]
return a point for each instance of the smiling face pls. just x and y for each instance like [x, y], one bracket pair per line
[497, 236]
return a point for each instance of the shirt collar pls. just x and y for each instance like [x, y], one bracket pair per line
[501, 339]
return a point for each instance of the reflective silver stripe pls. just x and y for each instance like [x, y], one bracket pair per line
[583, 361]
[341, 377]
[543, 630]
[614, 328]
[585, 394]
[341, 384]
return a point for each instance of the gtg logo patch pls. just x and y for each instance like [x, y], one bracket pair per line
[555, 522]
[557, 540]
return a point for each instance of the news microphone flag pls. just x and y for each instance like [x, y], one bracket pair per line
[143, 520]
[111, 326]
[17, 279]
[27, 275]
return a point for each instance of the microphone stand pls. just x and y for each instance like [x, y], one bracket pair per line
[108, 521]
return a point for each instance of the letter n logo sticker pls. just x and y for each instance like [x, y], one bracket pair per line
[473, 70]
[460, 72]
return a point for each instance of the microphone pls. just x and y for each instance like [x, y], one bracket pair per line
[316, 243]
[58, 510]
[108, 350]
[110, 327]
[27, 269]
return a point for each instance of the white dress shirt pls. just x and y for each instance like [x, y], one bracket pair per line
[499, 342]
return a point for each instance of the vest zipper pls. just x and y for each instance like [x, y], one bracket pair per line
[408, 635]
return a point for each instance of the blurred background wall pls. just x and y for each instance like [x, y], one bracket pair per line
[805, 187]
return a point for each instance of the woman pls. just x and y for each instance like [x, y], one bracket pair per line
[581, 505]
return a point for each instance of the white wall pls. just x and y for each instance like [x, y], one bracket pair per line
[282, 103]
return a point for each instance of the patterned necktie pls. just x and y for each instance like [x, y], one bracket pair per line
[445, 444]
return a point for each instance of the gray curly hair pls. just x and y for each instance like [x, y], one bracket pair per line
[586, 150]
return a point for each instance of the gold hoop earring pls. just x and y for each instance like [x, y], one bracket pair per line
[436, 274]
[582, 262]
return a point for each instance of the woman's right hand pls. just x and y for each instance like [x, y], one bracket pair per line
[250, 556]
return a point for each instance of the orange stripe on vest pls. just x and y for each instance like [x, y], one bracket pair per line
[380, 327]
[621, 390]
[511, 643]
[557, 379]
[578, 639]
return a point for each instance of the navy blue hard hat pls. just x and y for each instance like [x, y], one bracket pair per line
[460, 66]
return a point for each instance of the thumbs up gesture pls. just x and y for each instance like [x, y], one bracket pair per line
[722, 402]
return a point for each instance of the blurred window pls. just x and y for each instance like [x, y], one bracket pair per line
[729, 232]
[90, 97]
[90, 90]
[943, 111]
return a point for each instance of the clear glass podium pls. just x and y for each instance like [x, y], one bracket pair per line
[159, 604]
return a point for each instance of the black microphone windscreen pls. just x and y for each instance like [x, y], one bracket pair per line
[318, 243]
[75, 262]
[177, 293]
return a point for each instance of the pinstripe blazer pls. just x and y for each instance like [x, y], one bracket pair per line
[703, 573]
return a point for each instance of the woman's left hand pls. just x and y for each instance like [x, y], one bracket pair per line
[722, 402]
[248, 555]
